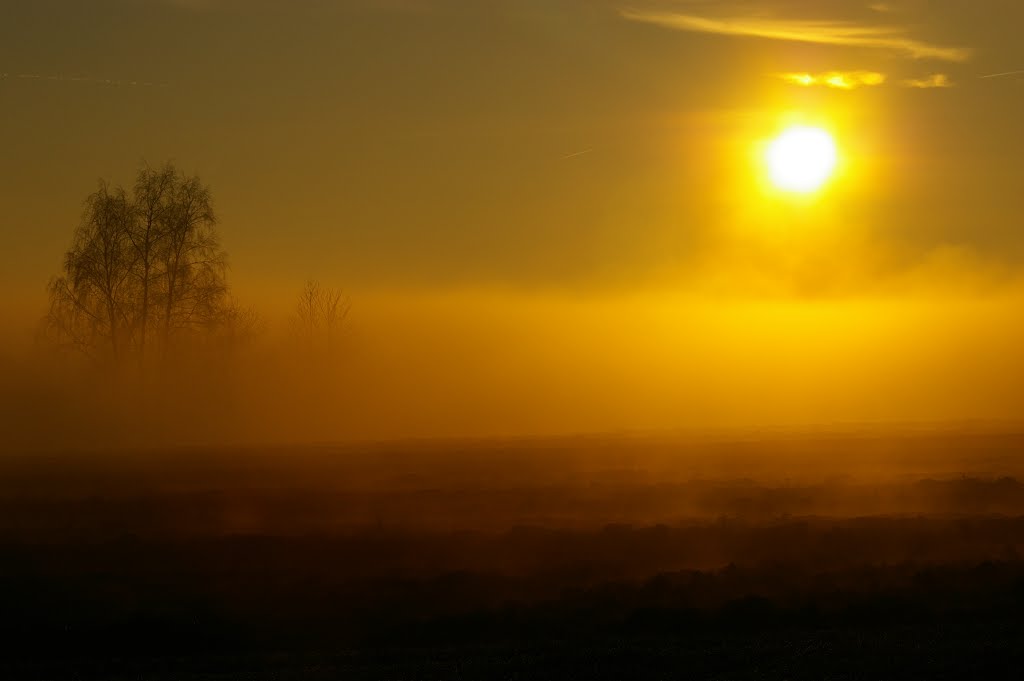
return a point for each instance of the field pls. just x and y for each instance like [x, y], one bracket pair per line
[826, 554]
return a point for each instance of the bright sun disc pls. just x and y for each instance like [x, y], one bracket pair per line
[801, 159]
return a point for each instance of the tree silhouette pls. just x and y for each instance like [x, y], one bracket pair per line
[153, 196]
[319, 314]
[144, 269]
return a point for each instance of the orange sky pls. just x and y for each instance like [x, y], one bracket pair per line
[550, 214]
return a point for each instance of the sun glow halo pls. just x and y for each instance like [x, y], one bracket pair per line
[801, 159]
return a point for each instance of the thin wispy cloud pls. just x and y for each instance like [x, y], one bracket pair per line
[839, 80]
[851, 80]
[935, 80]
[822, 32]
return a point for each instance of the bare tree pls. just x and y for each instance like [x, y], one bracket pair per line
[238, 326]
[319, 314]
[153, 197]
[193, 265]
[142, 267]
[91, 304]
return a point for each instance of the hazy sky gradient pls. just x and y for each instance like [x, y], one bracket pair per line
[539, 153]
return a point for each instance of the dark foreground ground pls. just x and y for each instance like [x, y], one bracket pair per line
[851, 555]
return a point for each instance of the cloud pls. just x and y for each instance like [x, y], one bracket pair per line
[851, 80]
[935, 80]
[822, 32]
[840, 80]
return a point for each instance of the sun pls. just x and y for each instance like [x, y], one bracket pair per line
[801, 159]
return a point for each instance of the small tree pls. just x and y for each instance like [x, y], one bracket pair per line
[319, 315]
[238, 326]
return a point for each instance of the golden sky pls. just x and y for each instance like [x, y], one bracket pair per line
[566, 164]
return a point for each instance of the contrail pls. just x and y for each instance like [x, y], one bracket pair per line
[78, 79]
[578, 153]
[1004, 73]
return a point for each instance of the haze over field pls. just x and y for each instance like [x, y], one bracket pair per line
[511, 339]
